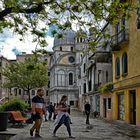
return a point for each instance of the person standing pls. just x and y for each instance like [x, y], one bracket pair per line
[55, 112]
[62, 116]
[38, 109]
[87, 111]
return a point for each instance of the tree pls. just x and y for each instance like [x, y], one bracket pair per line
[27, 75]
[28, 15]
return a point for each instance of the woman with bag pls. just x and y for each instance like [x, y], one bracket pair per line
[62, 116]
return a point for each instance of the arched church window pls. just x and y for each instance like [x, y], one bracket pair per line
[70, 78]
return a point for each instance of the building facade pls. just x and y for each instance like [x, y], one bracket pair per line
[126, 74]
[3, 91]
[63, 72]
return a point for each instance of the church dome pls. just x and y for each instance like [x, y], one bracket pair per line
[68, 37]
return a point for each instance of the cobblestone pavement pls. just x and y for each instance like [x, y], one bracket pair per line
[101, 130]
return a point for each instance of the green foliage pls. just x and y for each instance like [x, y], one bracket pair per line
[106, 88]
[30, 74]
[24, 15]
[14, 105]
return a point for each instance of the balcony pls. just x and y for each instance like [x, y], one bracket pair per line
[118, 39]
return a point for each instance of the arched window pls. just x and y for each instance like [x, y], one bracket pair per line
[61, 78]
[117, 67]
[70, 78]
[124, 63]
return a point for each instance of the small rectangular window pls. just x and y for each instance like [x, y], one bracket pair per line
[71, 103]
[71, 49]
[48, 73]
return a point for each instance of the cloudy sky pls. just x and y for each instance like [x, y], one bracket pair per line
[10, 45]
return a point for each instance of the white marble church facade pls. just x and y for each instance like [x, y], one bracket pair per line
[63, 69]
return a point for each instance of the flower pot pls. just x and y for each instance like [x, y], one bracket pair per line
[3, 121]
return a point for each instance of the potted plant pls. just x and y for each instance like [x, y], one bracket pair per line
[3, 120]
[12, 105]
[106, 88]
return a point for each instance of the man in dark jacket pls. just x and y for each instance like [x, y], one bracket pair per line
[87, 111]
[50, 110]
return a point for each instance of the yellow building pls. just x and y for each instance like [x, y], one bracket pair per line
[126, 71]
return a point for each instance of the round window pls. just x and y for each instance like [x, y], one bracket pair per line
[71, 59]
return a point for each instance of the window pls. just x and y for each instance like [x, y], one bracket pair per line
[71, 59]
[84, 67]
[77, 40]
[124, 64]
[84, 87]
[71, 49]
[60, 48]
[81, 40]
[61, 78]
[106, 76]
[70, 78]
[48, 84]
[15, 91]
[48, 73]
[71, 103]
[109, 103]
[19, 92]
[117, 67]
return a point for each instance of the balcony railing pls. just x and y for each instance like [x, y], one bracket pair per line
[118, 39]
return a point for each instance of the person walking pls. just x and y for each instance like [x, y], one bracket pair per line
[62, 116]
[38, 109]
[50, 110]
[87, 108]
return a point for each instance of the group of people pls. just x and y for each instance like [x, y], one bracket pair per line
[39, 109]
[61, 110]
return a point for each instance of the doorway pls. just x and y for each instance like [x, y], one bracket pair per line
[121, 106]
[105, 107]
[132, 106]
